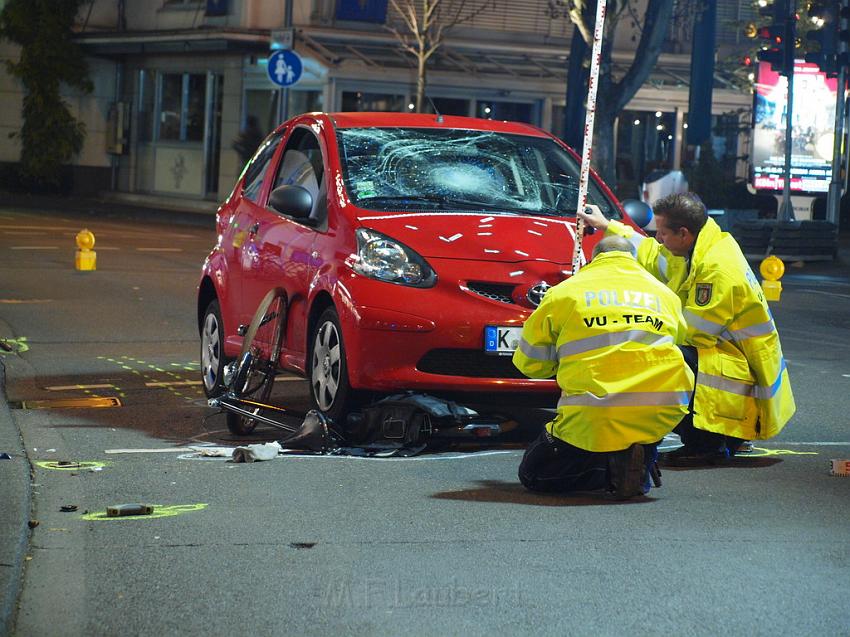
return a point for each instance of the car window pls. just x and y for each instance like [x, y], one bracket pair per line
[451, 169]
[302, 165]
[256, 169]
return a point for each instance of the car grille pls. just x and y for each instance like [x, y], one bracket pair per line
[467, 362]
[501, 292]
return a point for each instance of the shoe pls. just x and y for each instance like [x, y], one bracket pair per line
[689, 457]
[745, 447]
[626, 471]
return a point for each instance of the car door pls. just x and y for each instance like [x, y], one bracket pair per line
[281, 247]
[244, 224]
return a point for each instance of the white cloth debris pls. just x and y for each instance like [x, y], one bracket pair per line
[213, 452]
[254, 453]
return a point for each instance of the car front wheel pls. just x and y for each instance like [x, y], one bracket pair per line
[212, 351]
[330, 390]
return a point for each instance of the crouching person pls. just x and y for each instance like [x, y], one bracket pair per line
[610, 335]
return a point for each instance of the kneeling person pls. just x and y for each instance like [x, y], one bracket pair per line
[610, 334]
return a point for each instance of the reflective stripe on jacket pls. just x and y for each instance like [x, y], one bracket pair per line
[610, 334]
[743, 388]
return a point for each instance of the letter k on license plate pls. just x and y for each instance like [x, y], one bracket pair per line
[501, 341]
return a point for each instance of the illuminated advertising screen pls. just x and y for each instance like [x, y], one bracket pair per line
[812, 133]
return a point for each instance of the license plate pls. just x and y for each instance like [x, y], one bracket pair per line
[501, 341]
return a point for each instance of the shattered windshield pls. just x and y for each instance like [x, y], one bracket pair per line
[430, 169]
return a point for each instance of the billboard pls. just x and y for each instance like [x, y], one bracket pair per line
[812, 132]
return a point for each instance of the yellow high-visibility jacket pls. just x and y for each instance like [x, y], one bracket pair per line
[610, 333]
[743, 388]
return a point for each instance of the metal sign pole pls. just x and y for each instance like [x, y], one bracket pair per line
[584, 175]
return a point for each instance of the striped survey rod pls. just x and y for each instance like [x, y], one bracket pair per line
[584, 176]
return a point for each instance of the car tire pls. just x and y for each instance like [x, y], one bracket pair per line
[213, 361]
[330, 390]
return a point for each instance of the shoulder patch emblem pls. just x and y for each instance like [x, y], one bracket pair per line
[703, 294]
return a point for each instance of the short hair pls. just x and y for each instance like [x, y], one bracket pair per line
[683, 210]
[614, 243]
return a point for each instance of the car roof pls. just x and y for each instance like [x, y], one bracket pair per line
[429, 120]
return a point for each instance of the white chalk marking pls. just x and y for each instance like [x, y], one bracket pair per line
[157, 450]
[491, 251]
[516, 273]
[412, 227]
[539, 234]
[486, 219]
[521, 253]
[72, 387]
[454, 237]
[485, 234]
[176, 383]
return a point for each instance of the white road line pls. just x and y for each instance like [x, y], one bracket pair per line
[34, 248]
[70, 387]
[160, 249]
[102, 248]
[423, 458]
[19, 227]
[176, 383]
[24, 301]
[158, 450]
[841, 296]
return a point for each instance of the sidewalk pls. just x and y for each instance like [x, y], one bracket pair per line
[14, 509]
[119, 205]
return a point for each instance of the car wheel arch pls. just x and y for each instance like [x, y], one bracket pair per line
[206, 293]
[321, 302]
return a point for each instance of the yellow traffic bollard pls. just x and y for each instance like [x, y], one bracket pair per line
[86, 257]
[772, 270]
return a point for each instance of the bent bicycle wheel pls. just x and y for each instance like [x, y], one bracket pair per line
[258, 360]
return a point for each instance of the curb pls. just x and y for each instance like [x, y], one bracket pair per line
[15, 505]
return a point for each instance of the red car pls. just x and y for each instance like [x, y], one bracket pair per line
[410, 247]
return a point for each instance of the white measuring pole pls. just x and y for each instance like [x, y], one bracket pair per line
[584, 176]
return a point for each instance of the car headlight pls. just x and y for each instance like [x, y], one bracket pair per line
[385, 259]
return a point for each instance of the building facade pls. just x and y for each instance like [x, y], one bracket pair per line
[177, 80]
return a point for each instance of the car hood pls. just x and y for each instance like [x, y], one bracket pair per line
[478, 236]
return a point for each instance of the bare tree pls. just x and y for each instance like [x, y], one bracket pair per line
[613, 95]
[425, 25]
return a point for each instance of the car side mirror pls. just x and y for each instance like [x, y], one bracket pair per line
[638, 211]
[292, 201]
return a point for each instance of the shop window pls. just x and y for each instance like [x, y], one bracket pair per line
[356, 101]
[511, 111]
[447, 106]
[145, 105]
[262, 104]
[645, 143]
[181, 106]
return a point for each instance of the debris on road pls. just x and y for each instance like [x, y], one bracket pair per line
[5, 456]
[119, 510]
[68, 508]
[33, 523]
[213, 452]
[839, 468]
[256, 453]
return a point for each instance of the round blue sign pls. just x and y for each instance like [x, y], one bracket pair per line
[285, 67]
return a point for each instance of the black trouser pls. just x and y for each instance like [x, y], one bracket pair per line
[700, 440]
[552, 465]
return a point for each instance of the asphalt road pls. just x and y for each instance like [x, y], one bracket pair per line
[439, 544]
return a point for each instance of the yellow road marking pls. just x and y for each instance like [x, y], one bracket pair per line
[60, 465]
[159, 511]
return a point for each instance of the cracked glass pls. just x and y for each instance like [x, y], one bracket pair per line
[422, 169]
